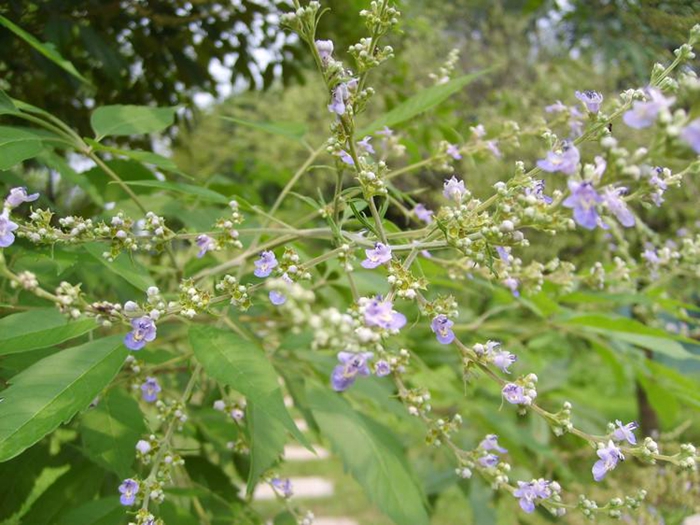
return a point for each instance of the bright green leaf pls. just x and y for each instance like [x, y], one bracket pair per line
[6, 105]
[39, 328]
[53, 390]
[146, 157]
[129, 270]
[16, 145]
[372, 455]
[290, 130]
[119, 121]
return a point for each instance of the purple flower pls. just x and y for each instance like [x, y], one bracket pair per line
[283, 486]
[565, 160]
[6, 229]
[656, 180]
[651, 256]
[583, 200]
[453, 151]
[382, 368]
[143, 446]
[365, 145]
[128, 489]
[503, 254]
[537, 190]
[377, 256]
[144, 331]
[442, 326]
[479, 130]
[150, 389]
[625, 432]
[19, 195]
[352, 365]
[557, 107]
[325, 50]
[609, 456]
[691, 135]
[530, 491]
[346, 158]
[591, 99]
[279, 298]
[423, 213]
[205, 243]
[512, 284]
[644, 114]
[503, 359]
[488, 460]
[386, 131]
[612, 198]
[492, 145]
[454, 189]
[515, 394]
[382, 314]
[340, 96]
[265, 264]
[490, 442]
[237, 414]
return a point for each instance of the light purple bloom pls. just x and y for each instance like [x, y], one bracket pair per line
[591, 99]
[537, 190]
[376, 256]
[340, 96]
[612, 198]
[691, 135]
[365, 145]
[656, 180]
[530, 491]
[382, 314]
[600, 167]
[386, 131]
[479, 130]
[583, 200]
[382, 368]
[423, 213]
[279, 298]
[492, 145]
[144, 331]
[514, 394]
[503, 254]
[346, 157]
[453, 151]
[325, 50]
[557, 107]
[265, 264]
[205, 243]
[150, 389]
[644, 114]
[625, 432]
[237, 414]
[442, 326]
[143, 446]
[283, 486]
[651, 256]
[454, 189]
[6, 229]
[609, 456]
[490, 442]
[19, 195]
[503, 359]
[512, 284]
[128, 489]
[488, 460]
[351, 365]
[566, 160]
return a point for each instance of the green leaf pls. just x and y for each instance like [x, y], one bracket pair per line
[290, 130]
[421, 102]
[105, 511]
[17, 145]
[53, 390]
[46, 48]
[119, 121]
[7, 107]
[110, 432]
[18, 477]
[372, 455]
[242, 365]
[129, 270]
[39, 328]
[146, 157]
[58, 162]
[186, 189]
[633, 332]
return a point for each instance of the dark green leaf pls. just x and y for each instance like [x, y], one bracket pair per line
[53, 390]
[18, 477]
[105, 511]
[39, 328]
[186, 189]
[119, 121]
[123, 266]
[17, 145]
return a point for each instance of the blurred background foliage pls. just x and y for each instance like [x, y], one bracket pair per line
[541, 51]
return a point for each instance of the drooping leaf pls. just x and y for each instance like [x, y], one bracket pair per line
[105, 511]
[45, 48]
[242, 365]
[370, 452]
[53, 390]
[421, 102]
[119, 120]
[123, 266]
[39, 328]
[185, 189]
[16, 145]
[110, 432]
[290, 130]
[6, 104]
